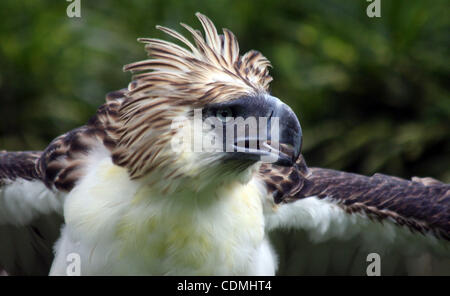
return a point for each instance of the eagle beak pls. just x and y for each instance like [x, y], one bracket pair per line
[281, 141]
[290, 135]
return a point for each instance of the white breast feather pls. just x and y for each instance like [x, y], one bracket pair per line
[119, 226]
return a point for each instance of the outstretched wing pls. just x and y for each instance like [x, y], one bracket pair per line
[30, 215]
[381, 214]
[33, 186]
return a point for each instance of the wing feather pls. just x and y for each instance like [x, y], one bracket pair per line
[420, 205]
[30, 215]
[33, 186]
[326, 222]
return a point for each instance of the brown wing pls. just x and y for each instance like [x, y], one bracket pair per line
[29, 220]
[15, 165]
[25, 248]
[64, 160]
[422, 205]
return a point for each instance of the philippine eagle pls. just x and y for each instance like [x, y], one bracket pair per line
[116, 194]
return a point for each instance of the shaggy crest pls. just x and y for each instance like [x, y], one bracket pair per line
[213, 63]
[175, 80]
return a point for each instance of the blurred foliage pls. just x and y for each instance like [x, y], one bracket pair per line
[372, 94]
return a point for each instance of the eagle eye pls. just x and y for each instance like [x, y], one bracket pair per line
[224, 114]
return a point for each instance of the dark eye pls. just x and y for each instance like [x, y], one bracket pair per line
[224, 114]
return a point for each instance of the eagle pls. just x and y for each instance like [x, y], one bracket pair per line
[117, 196]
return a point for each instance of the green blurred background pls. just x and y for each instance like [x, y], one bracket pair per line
[372, 94]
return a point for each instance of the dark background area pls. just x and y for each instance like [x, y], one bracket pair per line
[372, 94]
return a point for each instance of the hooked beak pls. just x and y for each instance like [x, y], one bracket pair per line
[278, 138]
[290, 135]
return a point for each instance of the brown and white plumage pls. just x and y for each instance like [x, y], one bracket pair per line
[127, 143]
[421, 205]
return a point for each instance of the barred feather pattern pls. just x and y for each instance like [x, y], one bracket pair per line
[65, 160]
[422, 205]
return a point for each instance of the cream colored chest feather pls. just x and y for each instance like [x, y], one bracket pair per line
[152, 234]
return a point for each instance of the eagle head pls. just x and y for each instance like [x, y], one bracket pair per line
[202, 110]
